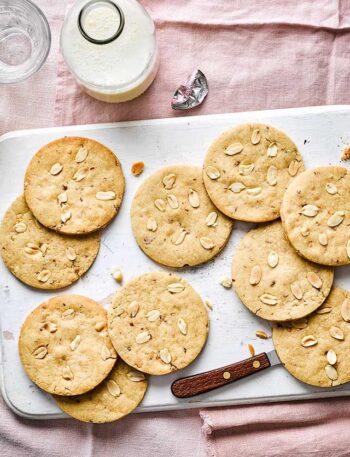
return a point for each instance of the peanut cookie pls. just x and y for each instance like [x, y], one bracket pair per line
[118, 395]
[40, 257]
[247, 170]
[74, 185]
[158, 323]
[316, 349]
[273, 281]
[64, 345]
[315, 214]
[173, 220]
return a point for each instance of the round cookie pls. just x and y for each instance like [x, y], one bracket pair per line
[158, 323]
[74, 185]
[174, 221]
[273, 281]
[64, 345]
[247, 170]
[118, 395]
[315, 214]
[40, 257]
[316, 350]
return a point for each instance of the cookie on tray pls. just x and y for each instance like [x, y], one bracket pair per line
[315, 214]
[316, 350]
[74, 185]
[117, 396]
[174, 221]
[64, 345]
[247, 170]
[158, 323]
[41, 257]
[273, 281]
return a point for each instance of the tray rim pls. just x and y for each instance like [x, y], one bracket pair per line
[164, 121]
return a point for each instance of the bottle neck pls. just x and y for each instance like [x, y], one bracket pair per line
[93, 17]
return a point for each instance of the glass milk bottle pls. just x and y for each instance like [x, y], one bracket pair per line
[110, 47]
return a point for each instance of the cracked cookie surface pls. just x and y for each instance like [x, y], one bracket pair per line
[74, 185]
[158, 323]
[316, 350]
[174, 221]
[64, 345]
[315, 214]
[117, 396]
[273, 281]
[247, 170]
[41, 257]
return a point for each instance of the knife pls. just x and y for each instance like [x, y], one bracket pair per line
[209, 380]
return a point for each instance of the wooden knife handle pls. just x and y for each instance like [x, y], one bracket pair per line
[204, 382]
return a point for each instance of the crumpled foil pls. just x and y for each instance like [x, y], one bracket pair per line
[192, 93]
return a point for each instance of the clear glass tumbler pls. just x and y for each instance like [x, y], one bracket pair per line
[25, 40]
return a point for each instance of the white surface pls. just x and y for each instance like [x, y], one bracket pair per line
[232, 326]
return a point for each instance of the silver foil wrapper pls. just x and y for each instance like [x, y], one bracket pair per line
[192, 93]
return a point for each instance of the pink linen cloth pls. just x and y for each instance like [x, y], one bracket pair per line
[256, 54]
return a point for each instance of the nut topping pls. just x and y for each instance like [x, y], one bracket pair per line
[310, 210]
[70, 254]
[272, 259]
[136, 376]
[308, 341]
[172, 201]
[104, 196]
[182, 326]
[160, 204]
[169, 181]
[179, 236]
[143, 337]
[272, 150]
[81, 155]
[56, 169]
[152, 224]
[314, 280]
[206, 242]
[234, 149]
[336, 333]
[193, 198]
[255, 275]
[40, 352]
[212, 172]
[268, 299]
[212, 218]
[20, 227]
[176, 287]
[113, 388]
[256, 137]
[165, 355]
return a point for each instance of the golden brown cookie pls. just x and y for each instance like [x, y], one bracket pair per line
[173, 220]
[74, 185]
[118, 395]
[64, 345]
[273, 281]
[247, 170]
[315, 214]
[41, 257]
[316, 349]
[158, 323]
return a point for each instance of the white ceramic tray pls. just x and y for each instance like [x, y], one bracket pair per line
[319, 132]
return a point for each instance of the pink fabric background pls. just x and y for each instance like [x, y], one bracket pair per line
[257, 54]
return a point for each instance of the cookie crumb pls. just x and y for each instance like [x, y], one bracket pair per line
[346, 153]
[261, 334]
[137, 168]
[117, 275]
[226, 282]
[251, 350]
[208, 304]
